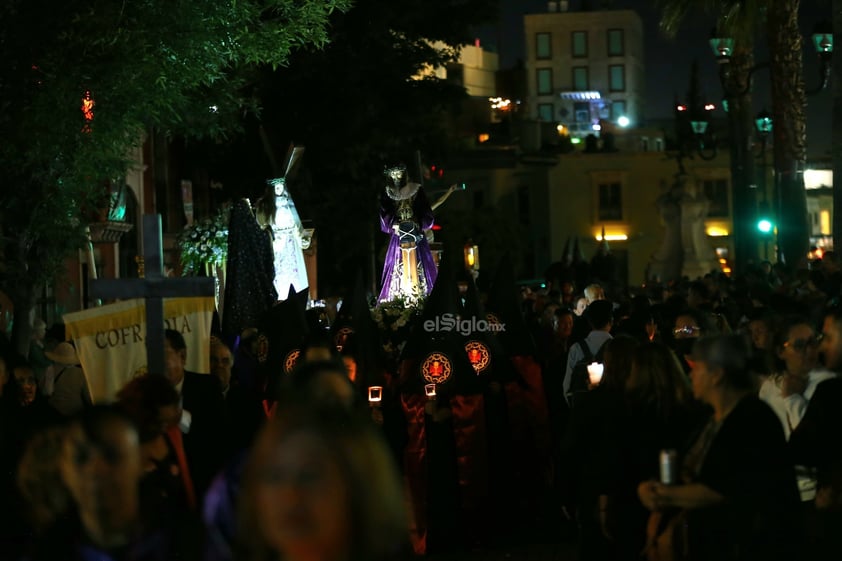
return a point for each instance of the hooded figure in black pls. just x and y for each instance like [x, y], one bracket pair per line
[518, 443]
[446, 454]
[528, 405]
[286, 329]
[354, 333]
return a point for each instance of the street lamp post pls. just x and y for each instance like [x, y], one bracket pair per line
[763, 125]
[693, 134]
[789, 154]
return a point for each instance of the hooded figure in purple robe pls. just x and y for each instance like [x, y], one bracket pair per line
[405, 213]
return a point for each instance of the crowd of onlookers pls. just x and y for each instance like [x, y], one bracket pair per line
[189, 466]
[736, 377]
[712, 431]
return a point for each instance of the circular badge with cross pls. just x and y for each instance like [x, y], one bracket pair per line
[437, 368]
[290, 360]
[493, 322]
[262, 348]
[478, 355]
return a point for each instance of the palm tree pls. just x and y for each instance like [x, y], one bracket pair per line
[789, 102]
[779, 20]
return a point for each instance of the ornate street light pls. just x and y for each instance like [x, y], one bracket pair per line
[693, 133]
[723, 48]
[763, 123]
[823, 43]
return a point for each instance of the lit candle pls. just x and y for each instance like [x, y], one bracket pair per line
[375, 394]
[595, 373]
[430, 390]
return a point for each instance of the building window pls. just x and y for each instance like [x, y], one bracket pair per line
[582, 113]
[617, 78]
[824, 219]
[716, 191]
[580, 44]
[610, 201]
[644, 144]
[615, 42]
[580, 78]
[545, 81]
[543, 46]
[659, 145]
[618, 109]
[545, 112]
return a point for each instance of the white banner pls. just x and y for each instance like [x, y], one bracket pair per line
[110, 340]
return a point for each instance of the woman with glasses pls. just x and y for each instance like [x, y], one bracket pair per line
[689, 326]
[789, 389]
[797, 372]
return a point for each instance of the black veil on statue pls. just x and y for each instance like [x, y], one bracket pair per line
[249, 288]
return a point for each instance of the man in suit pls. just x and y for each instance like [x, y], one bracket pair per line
[815, 442]
[243, 408]
[203, 413]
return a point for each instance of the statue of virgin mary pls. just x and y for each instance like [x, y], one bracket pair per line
[277, 212]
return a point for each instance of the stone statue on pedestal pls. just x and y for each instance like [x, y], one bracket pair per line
[685, 250]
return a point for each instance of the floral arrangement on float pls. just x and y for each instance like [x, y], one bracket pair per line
[204, 244]
[394, 319]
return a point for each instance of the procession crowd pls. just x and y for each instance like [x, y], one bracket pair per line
[713, 431]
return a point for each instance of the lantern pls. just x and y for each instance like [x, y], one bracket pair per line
[471, 253]
[375, 395]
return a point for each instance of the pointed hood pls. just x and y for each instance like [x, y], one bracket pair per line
[286, 327]
[505, 306]
[354, 333]
[578, 255]
[435, 352]
[486, 352]
[567, 254]
[603, 246]
[354, 303]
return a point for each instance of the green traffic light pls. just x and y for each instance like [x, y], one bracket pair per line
[764, 226]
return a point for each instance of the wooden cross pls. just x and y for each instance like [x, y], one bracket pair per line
[153, 288]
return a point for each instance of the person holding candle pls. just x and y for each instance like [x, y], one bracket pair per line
[737, 485]
[588, 440]
[599, 315]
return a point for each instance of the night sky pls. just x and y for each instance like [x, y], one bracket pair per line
[665, 59]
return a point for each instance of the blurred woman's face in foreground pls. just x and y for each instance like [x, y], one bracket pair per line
[302, 499]
[102, 477]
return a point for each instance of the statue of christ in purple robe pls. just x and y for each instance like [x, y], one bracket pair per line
[405, 213]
